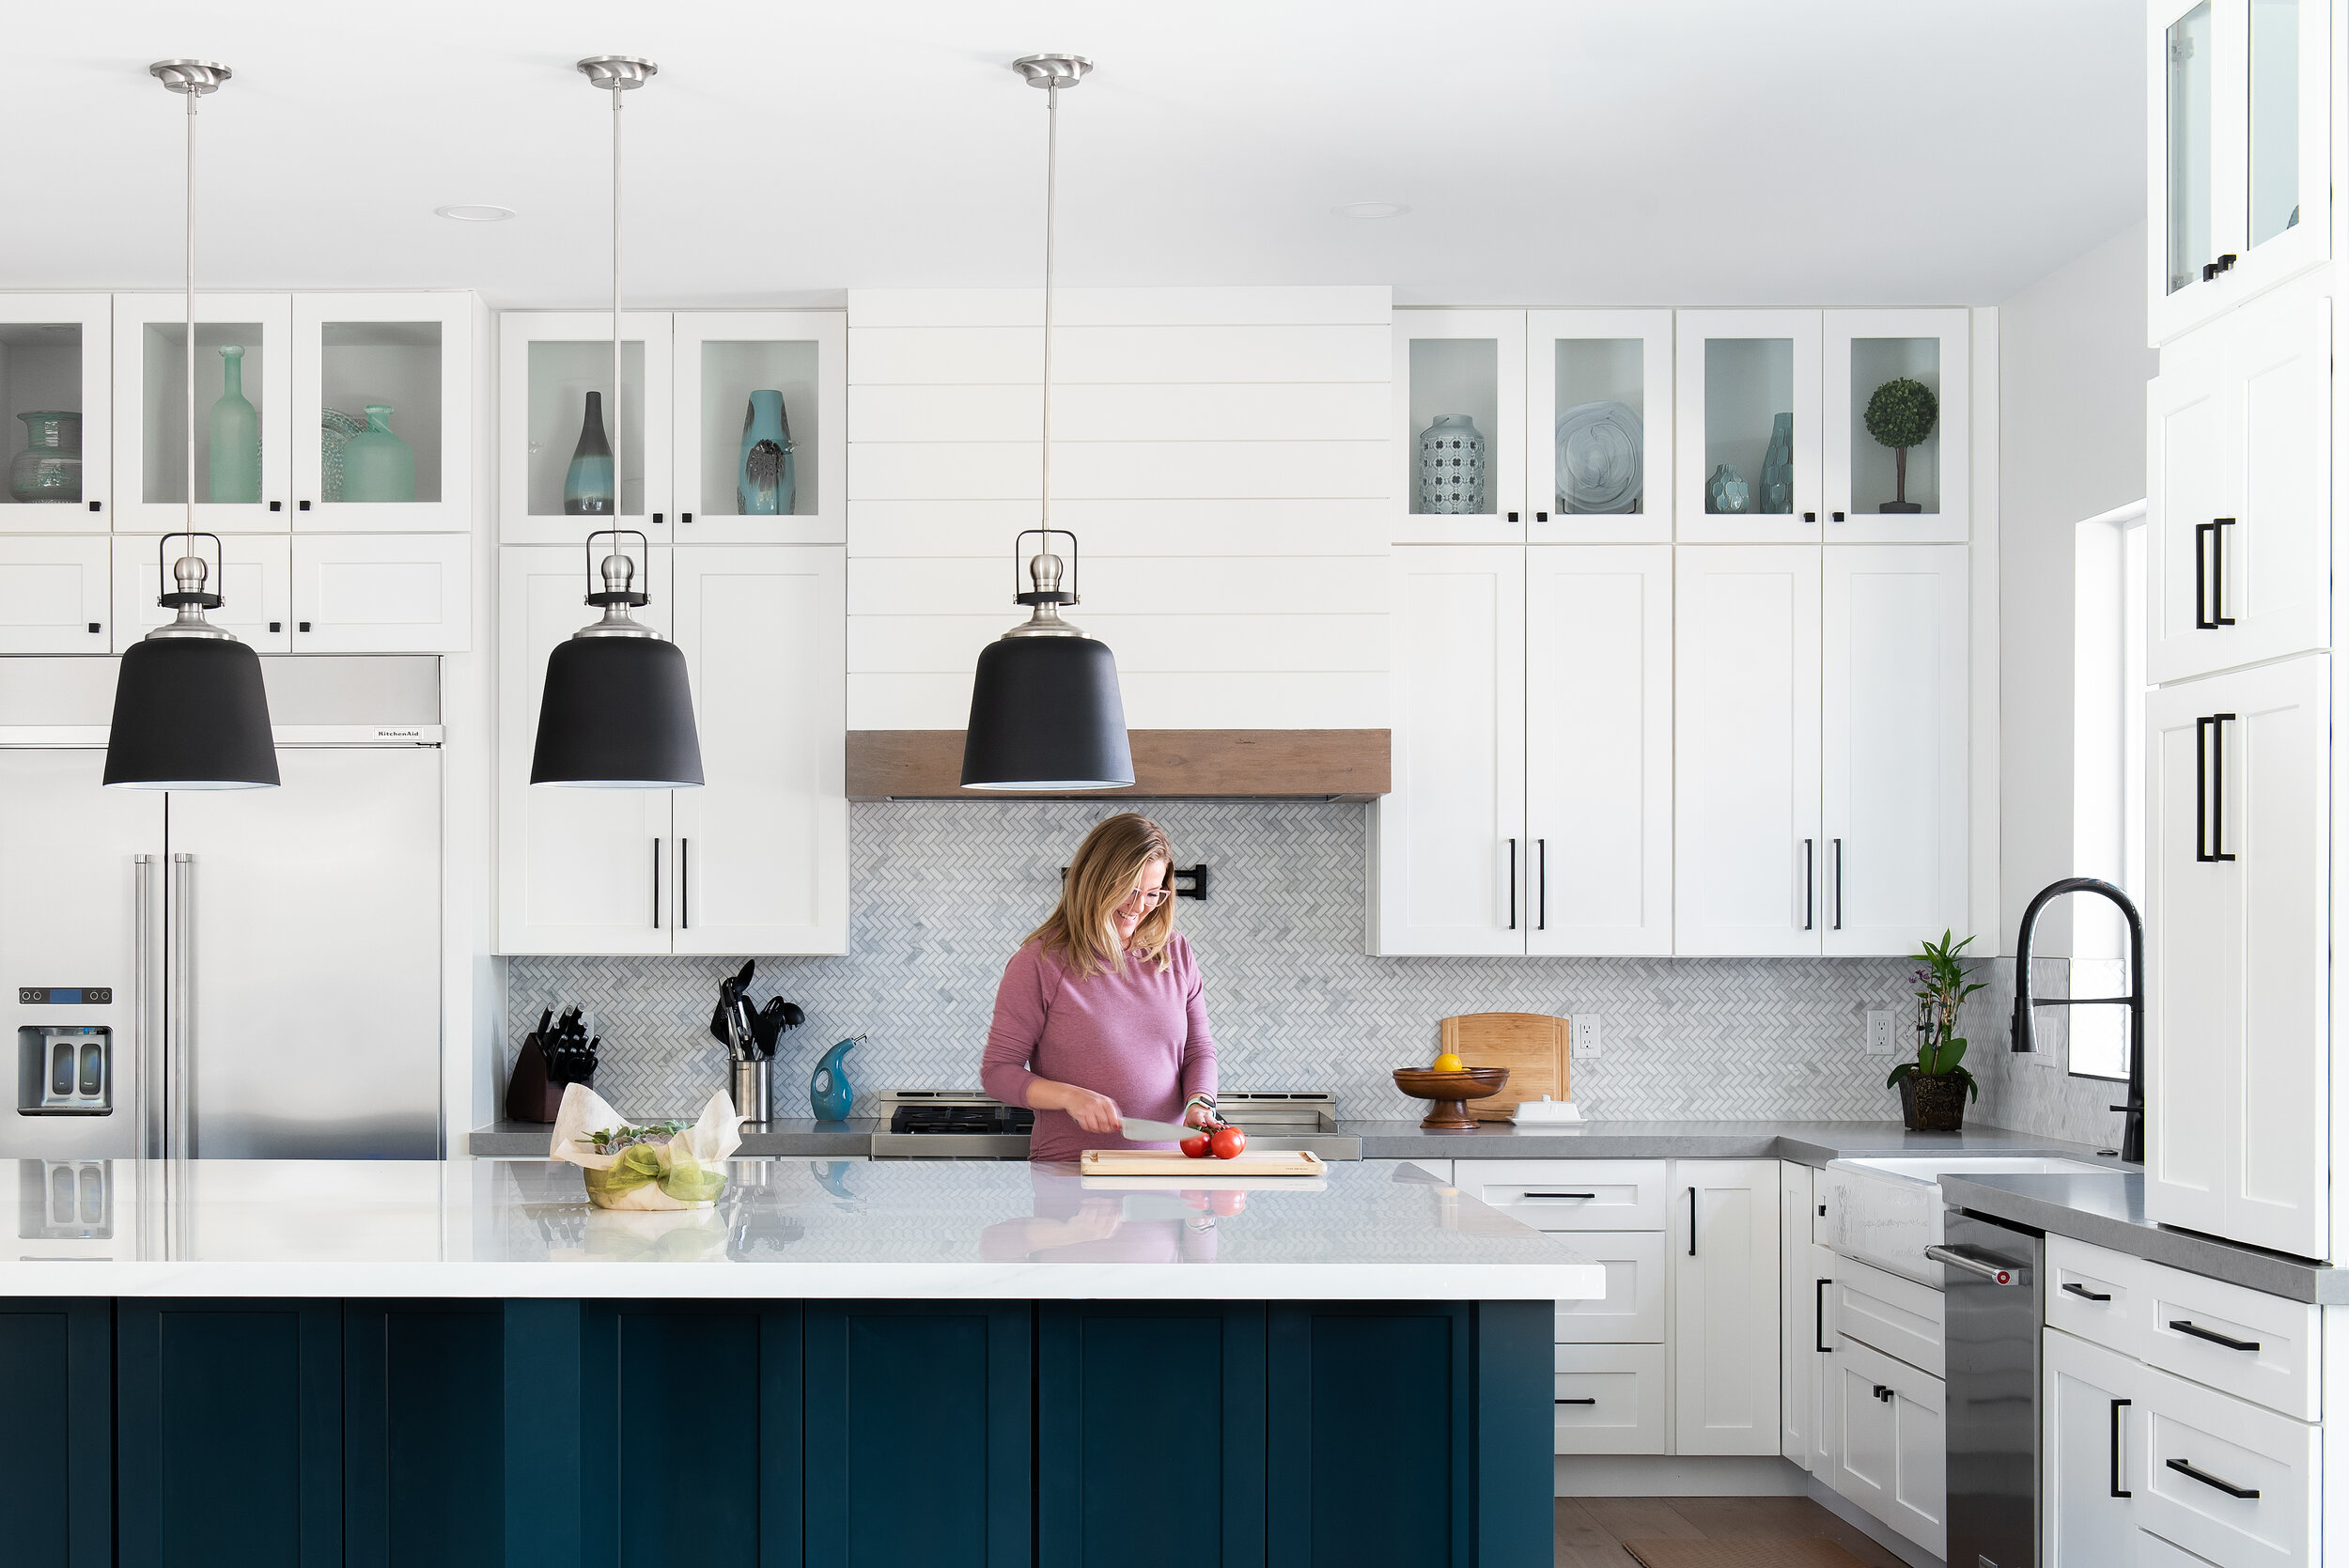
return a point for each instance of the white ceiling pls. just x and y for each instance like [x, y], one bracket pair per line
[1556, 151]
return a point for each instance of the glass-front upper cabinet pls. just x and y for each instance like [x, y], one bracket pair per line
[1460, 420]
[2239, 174]
[390, 377]
[1897, 395]
[761, 448]
[555, 426]
[243, 371]
[1598, 426]
[1747, 467]
[54, 370]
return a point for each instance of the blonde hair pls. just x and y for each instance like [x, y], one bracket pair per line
[1099, 878]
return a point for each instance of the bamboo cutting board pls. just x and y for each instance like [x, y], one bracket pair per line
[1532, 1046]
[1174, 1162]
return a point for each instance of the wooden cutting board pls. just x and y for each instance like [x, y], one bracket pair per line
[1174, 1162]
[1532, 1046]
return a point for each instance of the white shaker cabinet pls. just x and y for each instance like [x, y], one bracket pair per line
[57, 356]
[2237, 1022]
[2092, 1452]
[382, 593]
[1807, 1348]
[1575, 362]
[1742, 375]
[1723, 1216]
[1599, 757]
[1460, 364]
[150, 407]
[1892, 774]
[1891, 1446]
[56, 600]
[2238, 446]
[1746, 773]
[1450, 840]
[254, 579]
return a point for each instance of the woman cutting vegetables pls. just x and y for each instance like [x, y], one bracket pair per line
[1099, 1016]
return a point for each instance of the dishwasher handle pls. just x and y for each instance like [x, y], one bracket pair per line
[1997, 1273]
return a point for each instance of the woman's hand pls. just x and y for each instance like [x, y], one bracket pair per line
[1093, 1112]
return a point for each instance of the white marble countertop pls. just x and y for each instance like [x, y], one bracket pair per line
[785, 1228]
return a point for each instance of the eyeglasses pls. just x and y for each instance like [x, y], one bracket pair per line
[1143, 900]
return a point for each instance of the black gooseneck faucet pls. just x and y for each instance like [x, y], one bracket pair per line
[2133, 1125]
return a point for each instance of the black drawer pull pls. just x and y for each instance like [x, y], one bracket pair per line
[2208, 1480]
[1561, 1195]
[1574, 1402]
[2118, 1490]
[1818, 1318]
[2183, 1326]
[2072, 1287]
[1886, 1394]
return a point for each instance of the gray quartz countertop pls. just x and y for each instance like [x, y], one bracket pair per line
[2108, 1210]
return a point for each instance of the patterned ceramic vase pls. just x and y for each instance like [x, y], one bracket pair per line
[376, 464]
[50, 467]
[1778, 466]
[1452, 460]
[1726, 492]
[766, 474]
[236, 474]
[588, 483]
[335, 429]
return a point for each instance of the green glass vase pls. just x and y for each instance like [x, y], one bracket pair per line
[236, 474]
[50, 467]
[376, 464]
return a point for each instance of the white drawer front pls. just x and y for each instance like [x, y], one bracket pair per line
[1569, 1194]
[1632, 1312]
[2262, 1348]
[1897, 1316]
[2095, 1294]
[1609, 1399]
[1892, 1447]
[2196, 1439]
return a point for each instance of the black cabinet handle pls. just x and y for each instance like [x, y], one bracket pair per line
[2210, 803]
[1835, 517]
[2118, 1406]
[1810, 880]
[1574, 1402]
[97, 505]
[685, 517]
[1839, 883]
[2072, 1287]
[1692, 1222]
[1513, 875]
[655, 520]
[685, 884]
[2226, 262]
[277, 625]
[301, 505]
[1818, 1318]
[2185, 1325]
[2209, 1480]
[656, 884]
[302, 626]
[1540, 517]
[276, 505]
[1561, 1194]
[1513, 517]
[96, 627]
[2219, 617]
[1887, 1396]
[1541, 854]
[1811, 517]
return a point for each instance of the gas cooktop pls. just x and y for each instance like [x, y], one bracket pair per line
[963, 1123]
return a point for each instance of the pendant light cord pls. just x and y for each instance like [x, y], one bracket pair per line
[619, 426]
[188, 522]
[1052, 192]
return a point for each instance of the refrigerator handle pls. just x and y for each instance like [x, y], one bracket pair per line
[142, 997]
[179, 1004]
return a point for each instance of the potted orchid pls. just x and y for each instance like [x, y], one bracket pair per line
[1935, 1087]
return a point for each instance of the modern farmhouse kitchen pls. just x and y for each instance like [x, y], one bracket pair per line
[1514, 788]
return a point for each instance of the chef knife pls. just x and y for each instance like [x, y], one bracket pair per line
[1155, 1132]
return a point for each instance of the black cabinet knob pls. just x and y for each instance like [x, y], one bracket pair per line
[302, 506]
[276, 505]
[1835, 517]
[302, 626]
[277, 625]
[97, 505]
[2226, 262]
[1811, 517]
[1513, 517]
[1540, 517]
[94, 627]
[655, 520]
[685, 517]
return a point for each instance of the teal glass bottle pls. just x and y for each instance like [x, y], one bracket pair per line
[376, 464]
[587, 484]
[236, 472]
[766, 474]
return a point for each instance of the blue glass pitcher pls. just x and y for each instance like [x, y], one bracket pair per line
[828, 1088]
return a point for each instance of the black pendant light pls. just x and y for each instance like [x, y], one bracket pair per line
[618, 712]
[190, 709]
[1044, 710]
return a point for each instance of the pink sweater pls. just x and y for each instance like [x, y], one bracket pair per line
[1140, 1037]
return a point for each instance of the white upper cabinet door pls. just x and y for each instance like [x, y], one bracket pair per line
[762, 851]
[585, 871]
[254, 586]
[2237, 1019]
[2091, 1453]
[1747, 393]
[1460, 481]
[2239, 489]
[1877, 492]
[57, 358]
[1892, 774]
[2239, 174]
[397, 363]
[56, 598]
[1746, 776]
[1450, 839]
[549, 362]
[382, 593]
[237, 490]
[1598, 748]
[731, 484]
[1598, 426]
[1725, 1305]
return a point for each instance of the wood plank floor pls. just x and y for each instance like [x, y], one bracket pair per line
[1590, 1530]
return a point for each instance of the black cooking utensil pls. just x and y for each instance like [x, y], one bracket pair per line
[771, 1022]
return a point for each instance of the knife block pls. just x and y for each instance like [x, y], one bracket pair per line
[529, 1095]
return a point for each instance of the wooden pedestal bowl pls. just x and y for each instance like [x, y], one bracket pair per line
[1449, 1092]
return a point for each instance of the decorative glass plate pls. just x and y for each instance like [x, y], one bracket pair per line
[1600, 459]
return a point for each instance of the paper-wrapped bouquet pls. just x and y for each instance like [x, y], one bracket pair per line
[661, 1165]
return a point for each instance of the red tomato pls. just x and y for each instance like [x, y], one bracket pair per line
[1197, 1147]
[1228, 1143]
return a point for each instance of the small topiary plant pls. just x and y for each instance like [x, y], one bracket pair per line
[1900, 416]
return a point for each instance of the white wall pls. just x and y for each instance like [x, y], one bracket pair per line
[2073, 364]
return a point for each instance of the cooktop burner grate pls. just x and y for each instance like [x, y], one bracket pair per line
[949, 1119]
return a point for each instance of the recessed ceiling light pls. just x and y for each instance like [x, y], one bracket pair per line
[475, 212]
[1367, 210]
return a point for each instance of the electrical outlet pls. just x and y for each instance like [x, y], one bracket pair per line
[1585, 1031]
[1879, 1034]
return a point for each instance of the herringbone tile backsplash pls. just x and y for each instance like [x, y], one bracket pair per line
[944, 891]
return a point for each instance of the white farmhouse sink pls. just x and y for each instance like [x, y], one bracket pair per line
[1885, 1212]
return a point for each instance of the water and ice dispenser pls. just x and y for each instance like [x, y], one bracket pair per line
[63, 1070]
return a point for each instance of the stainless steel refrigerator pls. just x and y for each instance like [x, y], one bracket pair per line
[240, 973]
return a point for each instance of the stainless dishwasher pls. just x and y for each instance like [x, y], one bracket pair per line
[1993, 1300]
